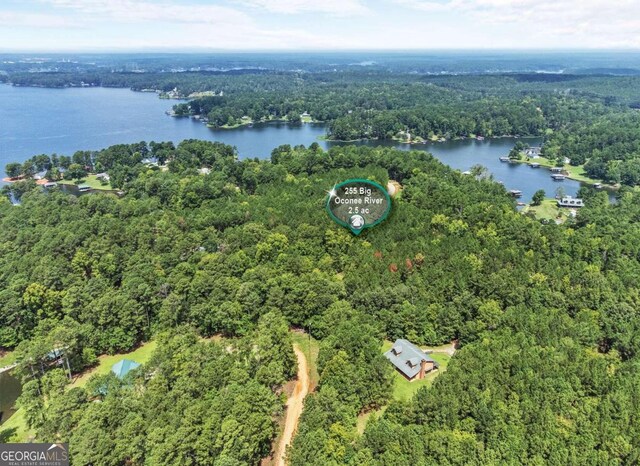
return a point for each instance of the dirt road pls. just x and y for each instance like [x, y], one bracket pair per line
[294, 407]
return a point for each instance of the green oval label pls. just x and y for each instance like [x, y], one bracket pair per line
[358, 204]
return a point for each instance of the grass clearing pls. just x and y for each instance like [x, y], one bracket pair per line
[574, 172]
[8, 358]
[548, 210]
[15, 429]
[140, 355]
[363, 419]
[90, 180]
[244, 121]
[403, 390]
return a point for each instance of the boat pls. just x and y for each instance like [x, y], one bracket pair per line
[558, 177]
[505, 158]
[51, 184]
[83, 188]
[534, 165]
[516, 193]
[521, 204]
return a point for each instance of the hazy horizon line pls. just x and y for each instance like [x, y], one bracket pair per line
[192, 50]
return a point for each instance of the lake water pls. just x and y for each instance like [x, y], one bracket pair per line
[35, 121]
[9, 391]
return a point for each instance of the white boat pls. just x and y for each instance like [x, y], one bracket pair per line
[83, 188]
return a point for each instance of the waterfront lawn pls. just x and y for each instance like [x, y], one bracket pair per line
[140, 355]
[548, 210]
[578, 174]
[575, 172]
[8, 359]
[89, 180]
[16, 429]
[244, 121]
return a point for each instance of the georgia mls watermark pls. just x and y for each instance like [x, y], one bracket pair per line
[34, 454]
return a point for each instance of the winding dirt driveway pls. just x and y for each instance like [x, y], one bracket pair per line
[294, 407]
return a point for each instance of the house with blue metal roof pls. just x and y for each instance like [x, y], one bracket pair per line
[409, 360]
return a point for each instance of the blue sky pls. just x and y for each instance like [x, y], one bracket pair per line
[50, 25]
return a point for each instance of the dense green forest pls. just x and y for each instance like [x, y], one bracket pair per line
[545, 314]
[608, 146]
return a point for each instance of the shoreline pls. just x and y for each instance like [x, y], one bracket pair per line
[265, 122]
[7, 179]
[545, 163]
[430, 141]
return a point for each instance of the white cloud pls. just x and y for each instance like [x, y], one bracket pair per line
[135, 11]
[332, 7]
[598, 23]
[34, 20]
[187, 25]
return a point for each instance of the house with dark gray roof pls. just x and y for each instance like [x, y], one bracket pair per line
[410, 360]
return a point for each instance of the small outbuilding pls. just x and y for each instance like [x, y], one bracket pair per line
[123, 367]
[409, 360]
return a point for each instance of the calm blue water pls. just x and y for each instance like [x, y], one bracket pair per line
[35, 121]
[466, 153]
